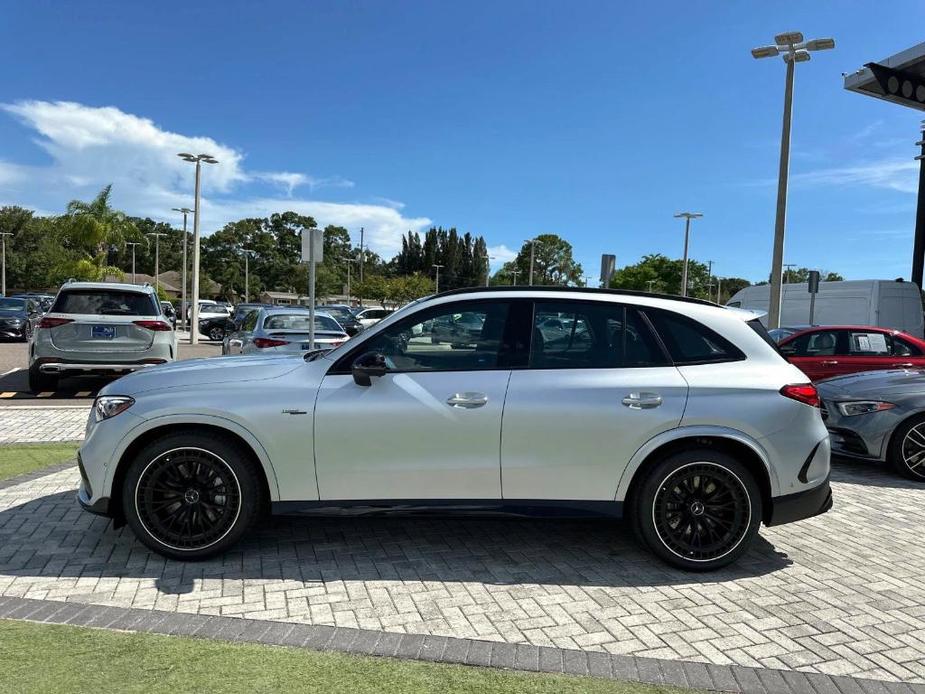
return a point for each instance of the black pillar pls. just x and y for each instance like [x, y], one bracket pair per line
[918, 249]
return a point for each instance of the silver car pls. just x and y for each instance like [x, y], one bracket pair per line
[97, 328]
[878, 416]
[285, 330]
[676, 414]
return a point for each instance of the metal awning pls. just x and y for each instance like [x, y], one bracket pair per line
[899, 78]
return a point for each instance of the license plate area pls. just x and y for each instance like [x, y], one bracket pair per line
[102, 332]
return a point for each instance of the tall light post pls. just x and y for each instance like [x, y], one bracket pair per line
[349, 262]
[133, 244]
[157, 257]
[184, 211]
[437, 282]
[794, 50]
[196, 159]
[532, 243]
[514, 272]
[247, 254]
[488, 259]
[3, 235]
[688, 216]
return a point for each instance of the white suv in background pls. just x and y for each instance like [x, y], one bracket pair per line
[96, 328]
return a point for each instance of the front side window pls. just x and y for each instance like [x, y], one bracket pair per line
[902, 348]
[821, 343]
[450, 337]
[106, 302]
[588, 335]
[690, 342]
[250, 321]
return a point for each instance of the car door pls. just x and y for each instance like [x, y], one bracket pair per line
[598, 386]
[430, 427]
[814, 352]
[871, 350]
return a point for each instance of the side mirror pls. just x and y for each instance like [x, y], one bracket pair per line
[366, 366]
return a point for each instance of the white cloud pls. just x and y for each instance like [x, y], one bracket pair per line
[501, 254]
[895, 174]
[90, 147]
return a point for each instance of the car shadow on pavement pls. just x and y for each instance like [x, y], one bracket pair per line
[51, 536]
[871, 472]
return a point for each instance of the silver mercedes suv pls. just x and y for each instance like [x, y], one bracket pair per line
[99, 328]
[676, 414]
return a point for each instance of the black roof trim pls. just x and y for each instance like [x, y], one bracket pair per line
[583, 290]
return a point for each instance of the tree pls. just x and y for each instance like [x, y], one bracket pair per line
[730, 286]
[89, 230]
[553, 264]
[801, 274]
[658, 273]
[33, 252]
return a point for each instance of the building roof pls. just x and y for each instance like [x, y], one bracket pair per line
[280, 295]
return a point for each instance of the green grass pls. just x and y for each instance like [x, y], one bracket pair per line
[55, 658]
[21, 458]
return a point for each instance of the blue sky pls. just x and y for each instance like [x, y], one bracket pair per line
[593, 120]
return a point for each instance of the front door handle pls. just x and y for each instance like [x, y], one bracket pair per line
[830, 362]
[642, 401]
[467, 400]
[904, 365]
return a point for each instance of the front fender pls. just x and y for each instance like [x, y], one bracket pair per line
[186, 419]
[656, 442]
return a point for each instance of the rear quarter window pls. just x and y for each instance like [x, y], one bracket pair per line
[105, 302]
[691, 342]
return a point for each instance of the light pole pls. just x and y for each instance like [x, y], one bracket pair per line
[349, 261]
[688, 216]
[488, 259]
[184, 211]
[532, 243]
[157, 257]
[133, 244]
[719, 288]
[650, 283]
[246, 252]
[3, 235]
[794, 50]
[194, 311]
[514, 272]
[437, 283]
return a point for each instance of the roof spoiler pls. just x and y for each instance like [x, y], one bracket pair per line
[746, 314]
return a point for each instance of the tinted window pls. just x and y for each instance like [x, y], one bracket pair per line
[901, 348]
[821, 343]
[584, 335]
[106, 302]
[250, 321]
[455, 337]
[299, 321]
[12, 304]
[340, 314]
[690, 342]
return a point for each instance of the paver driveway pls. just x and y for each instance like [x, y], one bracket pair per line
[838, 594]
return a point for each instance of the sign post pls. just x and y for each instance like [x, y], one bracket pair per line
[813, 287]
[312, 253]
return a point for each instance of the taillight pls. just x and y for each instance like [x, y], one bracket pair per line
[802, 392]
[264, 342]
[48, 322]
[155, 325]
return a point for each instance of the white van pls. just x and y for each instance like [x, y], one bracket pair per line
[882, 303]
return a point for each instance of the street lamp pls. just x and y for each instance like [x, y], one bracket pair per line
[3, 235]
[247, 293]
[157, 257]
[532, 243]
[437, 283]
[488, 259]
[184, 211]
[349, 261]
[688, 216]
[514, 272]
[133, 244]
[794, 50]
[196, 159]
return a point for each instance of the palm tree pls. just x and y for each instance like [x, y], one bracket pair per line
[90, 229]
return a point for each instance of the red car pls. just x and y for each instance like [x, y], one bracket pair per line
[835, 350]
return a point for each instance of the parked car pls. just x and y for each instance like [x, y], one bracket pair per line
[827, 351]
[18, 318]
[285, 329]
[677, 414]
[368, 317]
[783, 332]
[44, 301]
[343, 315]
[209, 309]
[215, 327]
[878, 416]
[242, 324]
[457, 329]
[170, 313]
[99, 329]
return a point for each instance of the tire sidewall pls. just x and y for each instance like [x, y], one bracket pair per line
[644, 500]
[895, 454]
[231, 454]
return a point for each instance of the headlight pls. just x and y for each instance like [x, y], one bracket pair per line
[15, 322]
[107, 406]
[856, 407]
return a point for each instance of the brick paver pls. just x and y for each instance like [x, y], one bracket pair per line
[42, 424]
[841, 594]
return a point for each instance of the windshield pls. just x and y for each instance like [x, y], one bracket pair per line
[299, 321]
[106, 302]
[337, 312]
[12, 304]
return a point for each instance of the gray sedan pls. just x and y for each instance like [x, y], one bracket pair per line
[286, 330]
[879, 416]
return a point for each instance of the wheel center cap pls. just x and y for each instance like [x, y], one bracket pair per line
[191, 496]
[697, 508]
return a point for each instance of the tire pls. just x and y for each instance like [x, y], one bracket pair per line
[906, 455]
[167, 483]
[672, 506]
[41, 383]
[216, 334]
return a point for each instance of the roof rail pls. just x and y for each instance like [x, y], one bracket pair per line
[588, 290]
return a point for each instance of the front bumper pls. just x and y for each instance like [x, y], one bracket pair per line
[802, 505]
[10, 331]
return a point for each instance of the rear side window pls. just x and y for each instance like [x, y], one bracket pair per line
[690, 342]
[105, 302]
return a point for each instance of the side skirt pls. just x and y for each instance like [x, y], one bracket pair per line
[523, 508]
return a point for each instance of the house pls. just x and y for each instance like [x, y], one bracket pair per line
[281, 298]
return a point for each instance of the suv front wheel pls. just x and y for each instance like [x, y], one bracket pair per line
[697, 510]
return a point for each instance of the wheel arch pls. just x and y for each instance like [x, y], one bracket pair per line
[891, 440]
[731, 442]
[159, 428]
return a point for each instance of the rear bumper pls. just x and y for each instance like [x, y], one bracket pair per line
[92, 367]
[806, 504]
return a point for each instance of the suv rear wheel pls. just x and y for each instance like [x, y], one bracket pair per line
[190, 496]
[697, 510]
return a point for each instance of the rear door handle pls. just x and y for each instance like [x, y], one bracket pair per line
[467, 400]
[642, 401]
[829, 362]
[903, 365]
